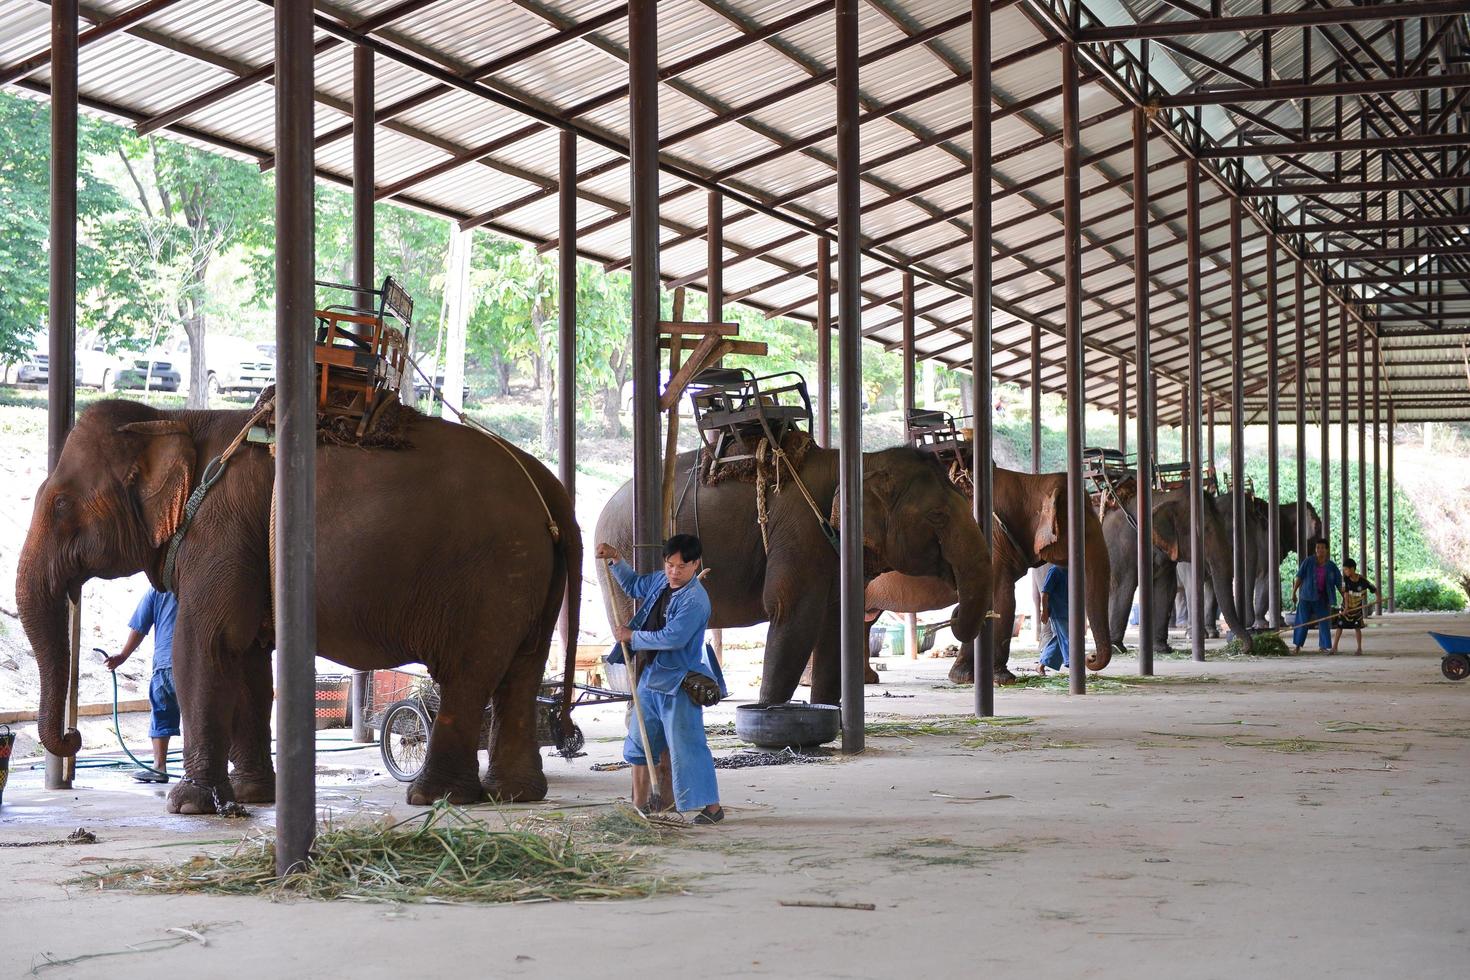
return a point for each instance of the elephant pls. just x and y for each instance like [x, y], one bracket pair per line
[1171, 548]
[1259, 557]
[472, 591]
[914, 522]
[1269, 557]
[1030, 531]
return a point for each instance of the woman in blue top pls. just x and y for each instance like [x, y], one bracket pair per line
[1317, 582]
[675, 608]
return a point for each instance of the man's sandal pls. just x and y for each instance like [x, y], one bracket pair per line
[705, 818]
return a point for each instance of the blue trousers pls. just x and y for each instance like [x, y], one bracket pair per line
[1306, 611]
[676, 723]
[1054, 653]
[165, 704]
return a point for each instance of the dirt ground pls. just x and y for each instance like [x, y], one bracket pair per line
[1240, 818]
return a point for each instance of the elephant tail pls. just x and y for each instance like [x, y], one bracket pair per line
[569, 551]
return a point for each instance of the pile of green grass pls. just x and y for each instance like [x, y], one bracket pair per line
[1262, 645]
[445, 856]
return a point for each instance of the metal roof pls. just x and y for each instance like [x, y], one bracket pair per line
[746, 104]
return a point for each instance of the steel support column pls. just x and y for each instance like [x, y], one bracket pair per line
[1273, 446]
[1076, 378]
[566, 315]
[643, 215]
[907, 346]
[1377, 472]
[1196, 401]
[1035, 396]
[1122, 405]
[824, 343]
[364, 273]
[1237, 414]
[61, 383]
[1345, 539]
[1362, 554]
[980, 329]
[1142, 354]
[295, 489]
[1300, 317]
[849, 372]
[714, 262]
[1392, 602]
[1324, 409]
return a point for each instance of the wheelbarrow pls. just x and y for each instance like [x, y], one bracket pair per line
[1456, 661]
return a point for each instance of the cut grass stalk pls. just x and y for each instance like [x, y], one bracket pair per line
[445, 856]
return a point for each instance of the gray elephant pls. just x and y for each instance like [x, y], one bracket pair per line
[914, 523]
[1030, 530]
[472, 591]
[1171, 548]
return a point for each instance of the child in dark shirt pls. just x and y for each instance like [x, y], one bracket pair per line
[1354, 591]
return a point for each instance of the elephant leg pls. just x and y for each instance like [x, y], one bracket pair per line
[870, 676]
[826, 668]
[1164, 580]
[253, 778]
[962, 671]
[798, 612]
[1120, 602]
[450, 768]
[1005, 609]
[515, 774]
[209, 683]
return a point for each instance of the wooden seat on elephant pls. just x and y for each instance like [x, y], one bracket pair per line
[1103, 467]
[939, 433]
[360, 355]
[735, 410]
[1173, 476]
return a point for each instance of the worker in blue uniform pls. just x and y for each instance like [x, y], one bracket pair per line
[679, 677]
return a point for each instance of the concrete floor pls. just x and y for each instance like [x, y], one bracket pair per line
[1301, 817]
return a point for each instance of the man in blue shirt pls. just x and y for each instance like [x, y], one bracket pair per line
[672, 614]
[1053, 612]
[1317, 582]
[157, 612]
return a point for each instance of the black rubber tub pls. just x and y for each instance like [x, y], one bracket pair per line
[795, 724]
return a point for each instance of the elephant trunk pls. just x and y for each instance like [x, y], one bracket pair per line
[1099, 573]
[1221, 579]
[43, 615]
[964, 550]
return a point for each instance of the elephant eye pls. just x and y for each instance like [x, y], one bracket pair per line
[938, 517]
[60, 504]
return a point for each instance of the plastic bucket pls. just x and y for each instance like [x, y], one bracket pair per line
[7, 742]
[332, 691]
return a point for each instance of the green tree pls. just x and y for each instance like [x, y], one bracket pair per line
[514, 314]
[25, 215]
[195, 206]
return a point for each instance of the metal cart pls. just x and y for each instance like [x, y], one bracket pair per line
[402, 705]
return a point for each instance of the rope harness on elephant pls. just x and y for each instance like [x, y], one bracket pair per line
[768, 458]
[1111, 490]
[213, 470]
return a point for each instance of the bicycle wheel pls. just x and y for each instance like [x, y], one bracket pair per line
[405, 739]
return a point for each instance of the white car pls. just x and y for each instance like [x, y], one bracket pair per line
[95, 367]
[232, 364]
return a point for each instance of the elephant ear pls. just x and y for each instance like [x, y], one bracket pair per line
[1048, 535]
[1168, 531]
[161, 475]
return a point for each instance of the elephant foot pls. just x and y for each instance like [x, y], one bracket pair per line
[870, 676]
[963, 672]
[515, 789]
[427, 788]
[1212, 634]
[254, 788]
[192, 798]
[1004, 677]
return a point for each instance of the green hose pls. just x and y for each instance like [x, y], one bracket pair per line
[103, 762]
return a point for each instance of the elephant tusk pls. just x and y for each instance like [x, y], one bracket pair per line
[992, 614]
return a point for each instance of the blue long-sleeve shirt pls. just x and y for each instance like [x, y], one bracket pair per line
[679, 645]
[1307, 575]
